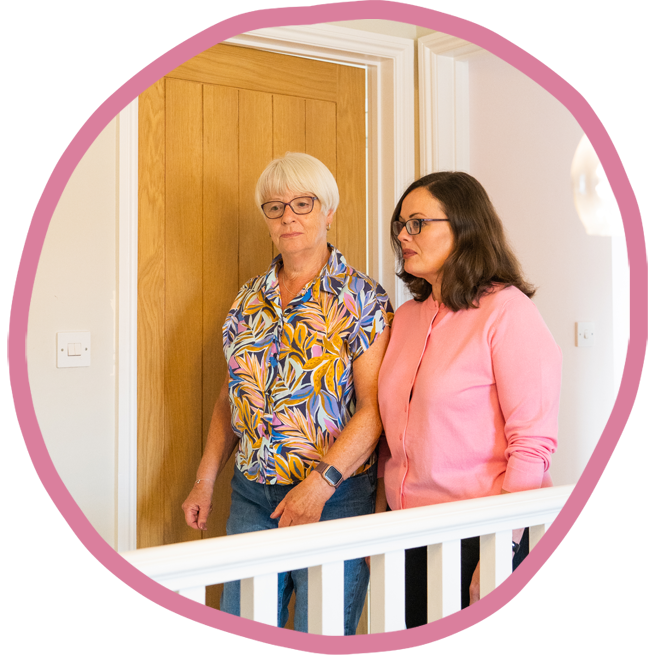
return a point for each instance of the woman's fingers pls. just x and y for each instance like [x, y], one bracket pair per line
[197, 508]
[191, 512]
[279, 509]
[304, 503]
[203, 515]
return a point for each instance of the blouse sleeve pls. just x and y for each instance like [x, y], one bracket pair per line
[527, 366]
[231, 324]
[374, 314]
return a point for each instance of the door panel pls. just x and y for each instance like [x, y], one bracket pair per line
[255, 152]
[183, 347]
[220, 281]
[220, 276]
[321, 127]
[289, 125]
[206, 132]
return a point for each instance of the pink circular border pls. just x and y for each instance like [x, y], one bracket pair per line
[69, 591]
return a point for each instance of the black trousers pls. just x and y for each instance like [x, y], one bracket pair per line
[416, 576]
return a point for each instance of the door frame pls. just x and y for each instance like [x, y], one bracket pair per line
[389, 62]
[443, 85]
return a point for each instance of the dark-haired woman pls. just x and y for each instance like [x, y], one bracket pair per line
[469, 387]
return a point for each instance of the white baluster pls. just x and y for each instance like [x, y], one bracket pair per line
[388, 591]
[444, 579]
[194, 593]
[495, 560]
[259, 598]
[325, 599]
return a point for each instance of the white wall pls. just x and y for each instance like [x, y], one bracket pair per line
[75, 290]
[522, 145]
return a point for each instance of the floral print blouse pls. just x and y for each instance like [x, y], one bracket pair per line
[291, 382]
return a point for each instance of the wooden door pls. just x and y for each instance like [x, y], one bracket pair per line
[206, 132]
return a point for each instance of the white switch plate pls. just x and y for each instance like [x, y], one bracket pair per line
[585, 334]
[81, 342]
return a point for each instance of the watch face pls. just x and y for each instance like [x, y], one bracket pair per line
[333, 475]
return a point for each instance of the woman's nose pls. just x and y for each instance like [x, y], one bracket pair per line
[288, 215]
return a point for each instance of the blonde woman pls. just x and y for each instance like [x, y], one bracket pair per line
[303, 342]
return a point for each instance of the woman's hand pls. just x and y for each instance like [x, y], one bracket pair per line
[198, 505]
[304, 503]
[474, 588]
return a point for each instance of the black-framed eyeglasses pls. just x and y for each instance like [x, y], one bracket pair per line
[301, 205]
[413, 225]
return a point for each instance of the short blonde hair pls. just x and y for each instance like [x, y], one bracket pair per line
[299, 173]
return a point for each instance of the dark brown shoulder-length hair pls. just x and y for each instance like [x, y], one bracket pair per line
[481, 256]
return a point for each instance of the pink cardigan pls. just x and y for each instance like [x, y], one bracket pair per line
[468, 400]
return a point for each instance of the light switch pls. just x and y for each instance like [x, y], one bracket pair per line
[585, 334]
[73, 349]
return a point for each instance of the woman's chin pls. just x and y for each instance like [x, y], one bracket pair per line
[412, 270]
[289, 245]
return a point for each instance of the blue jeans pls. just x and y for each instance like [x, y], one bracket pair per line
[252, 505]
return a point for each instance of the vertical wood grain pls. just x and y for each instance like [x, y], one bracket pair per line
[219, 270]
[288, 125]
[288, 129]
[321, 131]
[150, 316]
[351, 166]
[255, 152]
[183, 350]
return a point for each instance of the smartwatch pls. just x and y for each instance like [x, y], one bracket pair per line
[329, 474]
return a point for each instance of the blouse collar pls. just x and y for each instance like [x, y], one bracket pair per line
[331, 278]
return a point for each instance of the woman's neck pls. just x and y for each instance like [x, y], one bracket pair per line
[300, 269]
[436, 290]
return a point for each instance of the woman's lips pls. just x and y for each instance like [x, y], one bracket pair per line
[408, 253]
[290, 235]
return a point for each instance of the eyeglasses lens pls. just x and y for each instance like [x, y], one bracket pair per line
[302, 205]
[413, 227]
[275, 209]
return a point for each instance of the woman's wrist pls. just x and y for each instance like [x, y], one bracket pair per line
[317, 480]
[204, 483]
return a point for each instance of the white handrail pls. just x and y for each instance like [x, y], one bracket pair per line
[211, 561]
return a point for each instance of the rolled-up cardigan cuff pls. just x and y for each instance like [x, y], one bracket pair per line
[522, 475]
